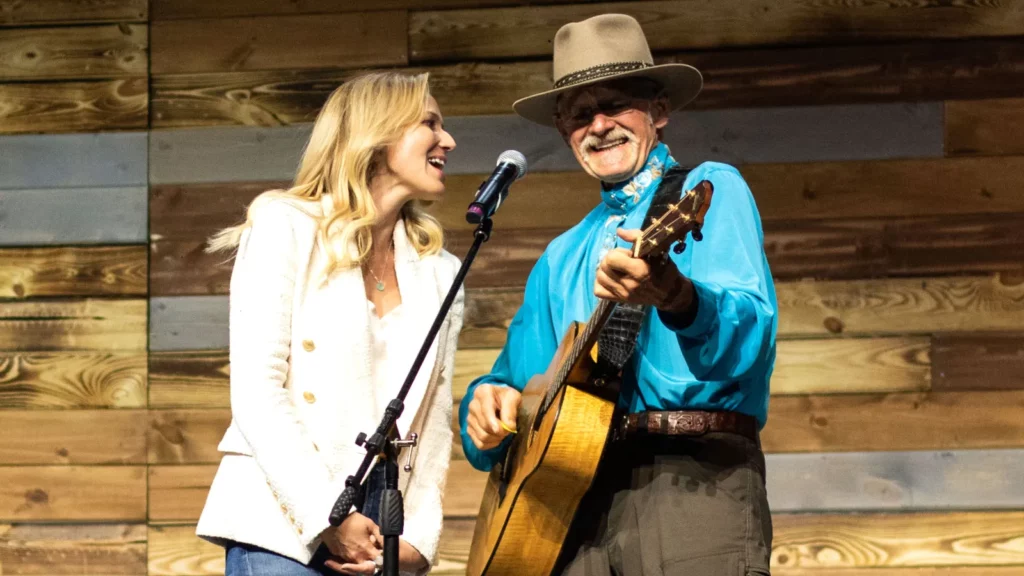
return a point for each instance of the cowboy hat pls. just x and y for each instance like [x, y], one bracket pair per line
[602, 48]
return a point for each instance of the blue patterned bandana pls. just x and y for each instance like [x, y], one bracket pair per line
[624, 196]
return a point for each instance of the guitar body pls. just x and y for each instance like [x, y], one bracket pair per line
[530, 499]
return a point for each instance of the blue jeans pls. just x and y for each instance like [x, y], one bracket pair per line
[247, 560]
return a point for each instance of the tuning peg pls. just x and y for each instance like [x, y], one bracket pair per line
[697, 234]
[679, 247]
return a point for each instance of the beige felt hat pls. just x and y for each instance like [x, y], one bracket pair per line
[605, 47]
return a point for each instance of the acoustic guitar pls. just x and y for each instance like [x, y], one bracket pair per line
[564, 422]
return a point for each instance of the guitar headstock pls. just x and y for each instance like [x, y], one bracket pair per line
[679, 219]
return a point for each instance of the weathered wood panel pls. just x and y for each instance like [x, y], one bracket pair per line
[852, 308]
[197, 379]
[675, 25]
[178, 493]
[188, 323]
[69, 271]
[780, 134]
[15, 13]
[75, 161]
[73, 53]
[978, 362]
[186, 436]
[74, 106]
[180, 9]
[73, 437]
[732, 79]
[922, 421]
[865, 481]
[74, 550]
[820, 249]
[90, 324]
[984, 127]
[73, 493]
[72, 380]
[73, 216]
[845, 366]
[176, 550]
[837, 541]
[908, 306]
[283, 42]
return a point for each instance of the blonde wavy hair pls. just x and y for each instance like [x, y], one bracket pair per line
[348, 147]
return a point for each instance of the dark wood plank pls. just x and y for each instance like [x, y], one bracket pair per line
[838, 542]
[73, 271]
[739, 78]
[73, 53]
[737, 136]
[73, 493]
[922, 421]
[864, 248]
[186, 436]
[74, 550]
[978, 362]
[282, 42]
[74, 106]
[986, 127]
[73, 11]
[672, 25]
[73, 437]
[90, 324]
[72, 380]
[182, 9]
[197, 379]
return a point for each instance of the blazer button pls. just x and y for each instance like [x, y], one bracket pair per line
[299, 530]
[308, 345]
[309, 397]
[284, 508]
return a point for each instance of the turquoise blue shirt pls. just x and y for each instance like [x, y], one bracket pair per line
[721, 361]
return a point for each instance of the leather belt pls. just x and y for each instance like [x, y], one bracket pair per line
[687, 423]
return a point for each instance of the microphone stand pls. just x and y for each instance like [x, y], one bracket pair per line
[384, 442]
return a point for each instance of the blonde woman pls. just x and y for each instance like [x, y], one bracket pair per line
[336, 282]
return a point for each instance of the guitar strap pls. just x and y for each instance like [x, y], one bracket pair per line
[617, 340]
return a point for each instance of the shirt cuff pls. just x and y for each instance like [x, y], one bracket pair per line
[705, 300]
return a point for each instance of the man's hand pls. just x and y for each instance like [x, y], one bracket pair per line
[491, 407]
[622, 278]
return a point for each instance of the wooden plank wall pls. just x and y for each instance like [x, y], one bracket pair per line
[881, 140]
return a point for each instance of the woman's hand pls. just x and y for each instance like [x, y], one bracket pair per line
[354, 545]
[409, 560]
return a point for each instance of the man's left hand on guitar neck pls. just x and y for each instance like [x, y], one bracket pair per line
[622, 278]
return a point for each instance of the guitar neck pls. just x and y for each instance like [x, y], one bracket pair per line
[583, 344]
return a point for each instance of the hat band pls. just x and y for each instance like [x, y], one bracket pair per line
[600, 71]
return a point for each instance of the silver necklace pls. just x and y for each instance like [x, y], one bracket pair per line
[380, 283]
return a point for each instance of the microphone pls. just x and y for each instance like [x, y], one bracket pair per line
[511, 167]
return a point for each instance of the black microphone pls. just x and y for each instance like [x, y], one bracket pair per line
[511, 167]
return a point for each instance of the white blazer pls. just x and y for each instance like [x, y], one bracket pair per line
[302, 387]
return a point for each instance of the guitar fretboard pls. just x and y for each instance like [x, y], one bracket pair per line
[586, 340]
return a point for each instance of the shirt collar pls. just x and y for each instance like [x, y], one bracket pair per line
[625, 196]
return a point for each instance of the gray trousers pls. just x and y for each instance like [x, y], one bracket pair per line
[673, 506]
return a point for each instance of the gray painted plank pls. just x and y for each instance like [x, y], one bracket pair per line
[73, 160]
[73, 216]
[740, 136]
[925, 480]
[225, 154]
[188, 323]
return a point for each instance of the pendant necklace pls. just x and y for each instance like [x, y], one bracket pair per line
[380, 283]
